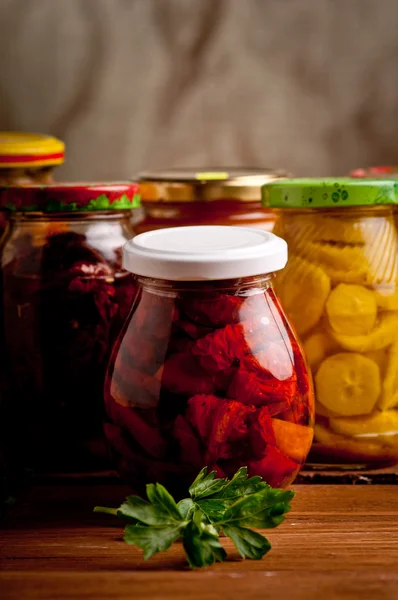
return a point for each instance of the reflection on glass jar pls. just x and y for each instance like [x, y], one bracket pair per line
[184, 197]
[65, 297]
[340, 290]
[207, 370]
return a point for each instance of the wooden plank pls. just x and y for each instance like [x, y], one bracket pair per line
[337, 540]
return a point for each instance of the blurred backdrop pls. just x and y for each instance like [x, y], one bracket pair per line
[309, 85]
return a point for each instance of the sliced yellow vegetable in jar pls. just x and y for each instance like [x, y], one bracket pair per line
[389, 396]
[382, 448]
[380, 357]
[303, 289]
[348, 384]
[337, 256]
[387, 297]
[378, 423]
[351, 309]
[317, 346]
[322, 411]
[383, 334]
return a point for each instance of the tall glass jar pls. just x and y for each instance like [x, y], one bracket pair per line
[27, 158]
[64, 296]
[340, 288]
[183, 197]
[207, 370]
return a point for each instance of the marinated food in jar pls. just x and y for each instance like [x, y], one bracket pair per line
[65, 296]
[207, 370]
[184, 197]
[340, 288]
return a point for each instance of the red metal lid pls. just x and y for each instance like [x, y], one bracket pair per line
[70, 197]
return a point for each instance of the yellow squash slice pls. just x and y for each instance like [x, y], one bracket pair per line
[317, 346]
[384, 334]
[389, 396]
[363, 449]
[348, 384]
[378, 423]
[351, 309]
[303, 289]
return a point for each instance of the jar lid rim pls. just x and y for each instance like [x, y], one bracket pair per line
[69, 197]
[329, 193]
[206, 252]
[30, 150]
[206, 184]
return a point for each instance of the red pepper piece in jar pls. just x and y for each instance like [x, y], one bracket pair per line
[261, 432]
[276, 360]
[221, 349]
[192, 330]
[221, 424]
[292, 439]
[213, 311]
[131, 387]
[253, 389]
[276, 468]
[144, 434]
[181, 374]
[188, 442]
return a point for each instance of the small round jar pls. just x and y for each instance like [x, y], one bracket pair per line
[340, 290]
[65, 296]
[207, 370]
[183, 197]
[27, 158]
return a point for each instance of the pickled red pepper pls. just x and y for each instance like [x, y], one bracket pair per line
[227, 392]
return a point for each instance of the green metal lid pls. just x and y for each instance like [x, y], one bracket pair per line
[329, 193]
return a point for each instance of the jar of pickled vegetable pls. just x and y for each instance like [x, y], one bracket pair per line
[207, 370]
[27, 158]
[340, 290]
[65, 296]
[182, 197]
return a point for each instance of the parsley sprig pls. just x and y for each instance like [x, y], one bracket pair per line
[215, 506]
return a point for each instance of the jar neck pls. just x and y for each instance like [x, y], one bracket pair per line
[244, 286]
[40, 217]
[216, 212]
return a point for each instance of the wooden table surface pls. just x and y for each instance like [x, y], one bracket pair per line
[339, 541]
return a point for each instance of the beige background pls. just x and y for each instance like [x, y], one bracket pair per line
[310, 85]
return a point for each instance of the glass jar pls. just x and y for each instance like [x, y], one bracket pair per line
[27, 158]
[207, 370]
[340, 290]
[65, 296]
[182, 197]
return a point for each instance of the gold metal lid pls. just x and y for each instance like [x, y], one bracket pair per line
[204, 185]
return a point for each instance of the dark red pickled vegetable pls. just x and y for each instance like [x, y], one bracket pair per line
[65, 298]
[228, 371]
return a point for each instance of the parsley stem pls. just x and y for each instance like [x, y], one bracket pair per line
[106, 510]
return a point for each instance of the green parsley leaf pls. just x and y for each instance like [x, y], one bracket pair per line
[248, 543]
[206, 485]
[202, 545]
[214, 506]
[152, 539]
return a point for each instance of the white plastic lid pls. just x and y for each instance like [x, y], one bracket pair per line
[204, 253]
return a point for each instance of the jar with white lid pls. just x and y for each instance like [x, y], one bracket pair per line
[207, 370]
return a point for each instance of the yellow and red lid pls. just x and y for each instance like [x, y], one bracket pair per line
[29, 150]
